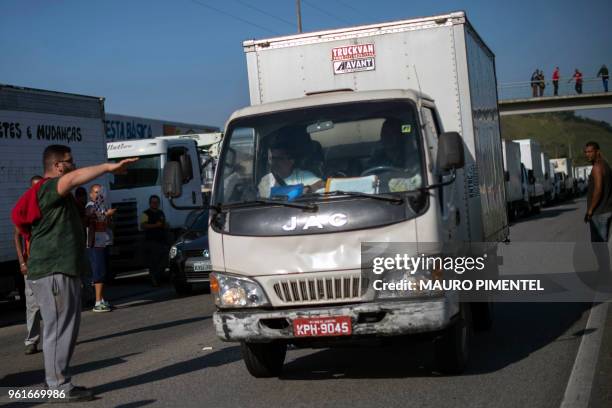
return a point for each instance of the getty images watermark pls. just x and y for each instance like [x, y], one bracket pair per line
[507, 272]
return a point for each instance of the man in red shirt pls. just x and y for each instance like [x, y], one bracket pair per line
[555, 80]
[578, 78]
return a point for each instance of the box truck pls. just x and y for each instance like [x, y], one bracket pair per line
[549, 179]
[31, 120]
[517, 196]
[565, 175]
[130, 192]
[379, 133]
[531, 158]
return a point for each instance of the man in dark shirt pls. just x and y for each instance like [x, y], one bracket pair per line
[604, 74]
[57, 259]
[153, 223]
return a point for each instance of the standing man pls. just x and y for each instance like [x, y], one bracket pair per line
[541, 83]
[534, 83]
[98, 238]
[153, 223]
[603, 73]
[57, 259]
[555, 81]
[578, 78]
[599, 203]
[32, 309]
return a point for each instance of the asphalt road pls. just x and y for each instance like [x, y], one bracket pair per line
[159, 350]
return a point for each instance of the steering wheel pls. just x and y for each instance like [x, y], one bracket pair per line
[379, 169]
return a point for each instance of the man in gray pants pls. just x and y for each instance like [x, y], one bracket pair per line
[57, 259]
[32, 309]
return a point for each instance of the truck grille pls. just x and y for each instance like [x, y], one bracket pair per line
[127, 239]
[320, 289]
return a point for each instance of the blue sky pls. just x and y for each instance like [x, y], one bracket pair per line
[182, 60]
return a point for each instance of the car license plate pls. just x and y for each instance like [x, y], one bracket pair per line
[322, 326]
[201, 266]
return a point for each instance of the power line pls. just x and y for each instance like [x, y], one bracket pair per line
[225, 13]
[244, 3]
[327, 13]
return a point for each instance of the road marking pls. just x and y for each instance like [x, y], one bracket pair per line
[578, 390]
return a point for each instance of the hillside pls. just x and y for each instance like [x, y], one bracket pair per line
[558, 133]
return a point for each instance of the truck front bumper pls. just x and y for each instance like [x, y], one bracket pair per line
[387, 318]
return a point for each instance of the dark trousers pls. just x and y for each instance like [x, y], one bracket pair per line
[156, 257]
[600, 232]
[556, 87]
[605, 84]
[578, 87]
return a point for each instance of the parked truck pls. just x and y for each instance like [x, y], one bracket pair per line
[130, 192]
[565, 175]
[31, 120]
[549, 179]
[286, 254]
[531, 158]
[517, 195]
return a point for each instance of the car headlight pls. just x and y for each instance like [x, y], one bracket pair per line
[397, 283]
[233, 291]
[173, 252]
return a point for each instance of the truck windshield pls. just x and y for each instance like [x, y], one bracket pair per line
[144, 173]
[365, 147]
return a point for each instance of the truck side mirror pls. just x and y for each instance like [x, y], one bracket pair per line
[450, 152]
[186, 169]
[506, 176]
[172, 179]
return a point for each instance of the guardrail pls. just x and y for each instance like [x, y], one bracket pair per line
[523, 90]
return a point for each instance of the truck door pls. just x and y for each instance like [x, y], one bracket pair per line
[188, 159]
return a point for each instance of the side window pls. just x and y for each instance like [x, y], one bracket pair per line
[237, 177]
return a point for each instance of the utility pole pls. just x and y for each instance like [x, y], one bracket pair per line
[299, 15]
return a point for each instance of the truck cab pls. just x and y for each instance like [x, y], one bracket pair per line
[130, 192]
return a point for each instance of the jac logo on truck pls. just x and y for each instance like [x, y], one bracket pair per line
[353, 58]
[316, 221]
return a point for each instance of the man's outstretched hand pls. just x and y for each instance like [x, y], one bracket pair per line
[121, 167]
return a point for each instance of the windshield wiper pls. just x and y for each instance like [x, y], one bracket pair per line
[264, 202]
[392, 199]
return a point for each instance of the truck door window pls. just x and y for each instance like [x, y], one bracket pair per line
[181, 155]
[432, 132]
[238, 164]
[144, 173]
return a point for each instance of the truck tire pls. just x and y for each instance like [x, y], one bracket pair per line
[452, 347]
[482, 315]
[264, 359]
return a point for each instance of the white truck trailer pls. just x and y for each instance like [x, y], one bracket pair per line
[517, 197]
[31, 120]
[531, 157]
[130, 192]
[549, 178]
[286, 250]
[565, 174]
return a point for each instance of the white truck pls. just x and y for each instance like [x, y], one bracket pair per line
[31, 120]
[549, 179]
[565, 175]
[531, 158]
[286, 250]
[517, 191]
[129, 193]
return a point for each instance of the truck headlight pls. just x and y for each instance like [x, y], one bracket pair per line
[173, 252]
[407, 285]
[233, 291]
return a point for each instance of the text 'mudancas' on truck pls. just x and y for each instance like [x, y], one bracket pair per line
[386, 133]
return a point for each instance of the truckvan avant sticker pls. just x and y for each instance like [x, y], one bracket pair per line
[353, 58]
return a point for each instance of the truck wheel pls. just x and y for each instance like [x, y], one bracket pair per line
[452, 347]
[264, 359]
[182, 288]
[482, 315]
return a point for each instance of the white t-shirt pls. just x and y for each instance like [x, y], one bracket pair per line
[297, 176]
